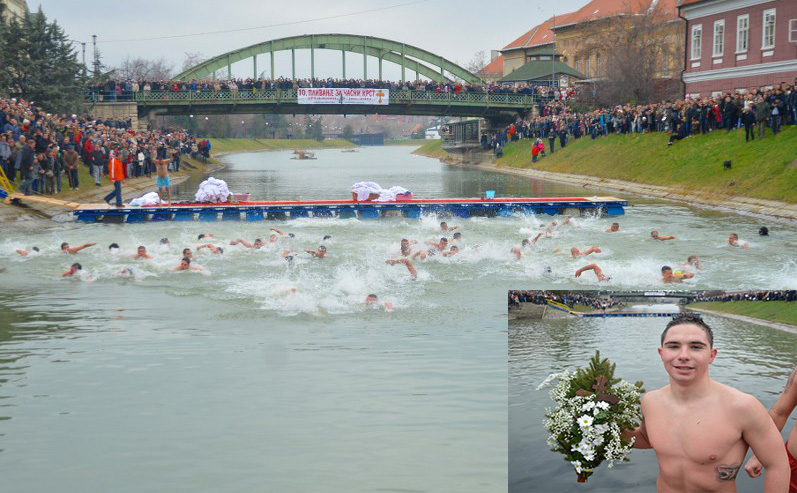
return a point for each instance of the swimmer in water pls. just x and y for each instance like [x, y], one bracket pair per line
[615, 227]
[441, 245]
[406, 262]
[320, 253]
[457, 237]
[127, 272]
[575, 252]
[593, 267]
[113, 247]
[73, 250]
[274, 237]
[212, 248]
[25, 253]
[187, 253]
[445, 227]
[165, 241]
[141, 252]
[655, 235]
[451, 251]
[373, 301]
[204, 235]
[406, 250]
[668, 276]
[185, 264]
[327, 238]
[257, 244]
[568, 221]
[763, 231]
[733, 240]
[518, 251]
[74, 269]
[692, 261]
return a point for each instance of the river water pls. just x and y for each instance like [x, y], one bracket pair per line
[263, 375]
[752, 358]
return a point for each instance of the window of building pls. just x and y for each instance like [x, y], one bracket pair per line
[793, 31]
[742, 33]
[768, 38]
[697, 41]
[598, 67]
[719, 38]
[586, 68]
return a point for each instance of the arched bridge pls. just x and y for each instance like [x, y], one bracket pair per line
[497, 107]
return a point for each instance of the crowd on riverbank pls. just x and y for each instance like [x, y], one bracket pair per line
[749, 296]
[756, 111]
[126, 90]
[43, 150]
[569, 299]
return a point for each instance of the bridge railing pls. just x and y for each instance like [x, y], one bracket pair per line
[290, 96]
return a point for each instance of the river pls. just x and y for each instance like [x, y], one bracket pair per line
[260, 374]
[752, 358]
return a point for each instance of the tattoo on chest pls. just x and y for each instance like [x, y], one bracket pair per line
[727, 472]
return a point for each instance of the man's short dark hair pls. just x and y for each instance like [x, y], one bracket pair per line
[64, 244]
[35, 249]
[113, 245]
[186, 250]
[77, 266]
[202, 235]
[690, 318]
[666, 268]
[187, 260]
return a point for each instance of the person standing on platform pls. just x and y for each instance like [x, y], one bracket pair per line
[162, 169]
[116, 175]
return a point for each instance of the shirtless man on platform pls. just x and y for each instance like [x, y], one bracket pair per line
[780, 413]
[162, 170]
[699, 428]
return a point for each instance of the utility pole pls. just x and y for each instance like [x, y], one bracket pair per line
[83, 44]
[553, 54]
[96, 60]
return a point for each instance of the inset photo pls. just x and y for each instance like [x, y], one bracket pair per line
[652, 391]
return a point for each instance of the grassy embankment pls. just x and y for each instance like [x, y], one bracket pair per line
[405, 142]
[244, 145]
[432, 148]
[773, 311]
[765, 169]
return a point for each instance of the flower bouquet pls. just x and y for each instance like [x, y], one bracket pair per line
[593, 409]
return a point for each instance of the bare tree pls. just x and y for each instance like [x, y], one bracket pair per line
[191, 60]
[143, 69]
[635, 57]
[478, 61]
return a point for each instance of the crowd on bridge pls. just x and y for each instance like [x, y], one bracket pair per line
[570, 299]
[790, 295]
[43, 150]
[755, 110]
[127, 90]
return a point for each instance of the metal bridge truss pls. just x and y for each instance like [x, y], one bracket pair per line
[420, 61]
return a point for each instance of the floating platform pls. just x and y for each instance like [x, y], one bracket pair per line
[347, 209]
[619, 314]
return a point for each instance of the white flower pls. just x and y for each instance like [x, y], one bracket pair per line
[589, 406]
[602, 405]
[589, 455]
[598, 441]
[585, 421]
[577, 465]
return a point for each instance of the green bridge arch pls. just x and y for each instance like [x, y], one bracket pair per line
[382, 49]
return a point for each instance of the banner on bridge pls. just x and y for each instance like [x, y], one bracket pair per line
[334, 95]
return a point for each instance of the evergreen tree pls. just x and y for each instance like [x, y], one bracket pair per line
[41, 64]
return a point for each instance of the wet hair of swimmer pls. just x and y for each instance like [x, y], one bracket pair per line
[187, 260]
[665, 268]
[77, 266]
[164, 241]
[35, 249]
[763, 231]
[690, 318]
[444, 240]
[291, 235]
[322, 248]
[186, 250]
[327, 237]
[201, 235]
[220, 250]
[64, 245]
[457, 235]
[113, 245]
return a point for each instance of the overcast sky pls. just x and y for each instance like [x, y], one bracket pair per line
[455, 29]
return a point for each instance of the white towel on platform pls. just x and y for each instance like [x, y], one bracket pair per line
[213, 191]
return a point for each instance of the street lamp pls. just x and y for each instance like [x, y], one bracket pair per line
[83, 45]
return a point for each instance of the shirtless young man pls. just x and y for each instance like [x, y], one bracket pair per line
[25, 253]
[373, 301]
[699, 428]
[257, 244]
[320, 253]
[406, 262]
[733, 240]
[74, 269]
[445, 227]
[615, 227]
[780, 413]
[597, 270]
[141, 252]
[668, 276]
[575, 252]
[73, 250]
[655, 235]
[213, 248]
[185, 264]
[692, 261]
[162, 170]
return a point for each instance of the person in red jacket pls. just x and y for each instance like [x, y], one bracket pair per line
[116, 175]
[535, 151]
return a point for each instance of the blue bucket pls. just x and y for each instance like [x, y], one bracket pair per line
[489, 194]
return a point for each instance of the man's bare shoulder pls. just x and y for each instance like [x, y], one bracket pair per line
[736, 400]
[655, 397]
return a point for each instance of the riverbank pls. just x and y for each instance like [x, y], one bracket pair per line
[31, 213]
[226, 146]
[780, 312]
[616, 155]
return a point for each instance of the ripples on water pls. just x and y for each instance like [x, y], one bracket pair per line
[752, 358]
